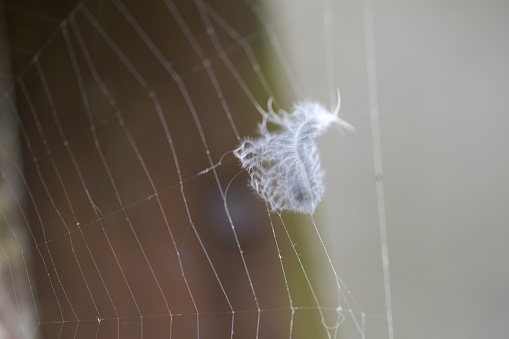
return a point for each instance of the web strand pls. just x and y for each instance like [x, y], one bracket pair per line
[283, 272]
[305, 274]
[369, 31]
[329, 53]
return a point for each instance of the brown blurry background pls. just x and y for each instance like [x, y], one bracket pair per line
[124, 237]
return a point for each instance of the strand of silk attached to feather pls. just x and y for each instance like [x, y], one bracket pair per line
[284, 165]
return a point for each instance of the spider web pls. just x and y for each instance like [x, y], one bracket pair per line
[140, 224]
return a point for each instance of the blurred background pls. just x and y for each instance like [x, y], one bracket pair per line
[443, 100]
[109, 228]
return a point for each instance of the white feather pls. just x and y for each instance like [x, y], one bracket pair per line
[284, 165]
